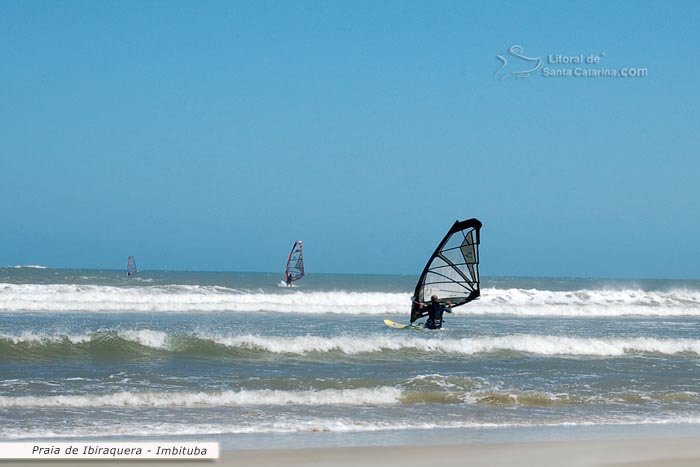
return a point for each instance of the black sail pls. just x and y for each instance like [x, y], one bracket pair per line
[295, 263]
[452, 272]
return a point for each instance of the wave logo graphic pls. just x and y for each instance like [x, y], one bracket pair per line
[515, 64]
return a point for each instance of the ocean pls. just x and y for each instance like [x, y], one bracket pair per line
[237, 358]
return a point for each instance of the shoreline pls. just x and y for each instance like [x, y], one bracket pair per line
[400, 439]
[628, 452]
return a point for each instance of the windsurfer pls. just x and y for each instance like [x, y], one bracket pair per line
[435, 312]
[295, 264]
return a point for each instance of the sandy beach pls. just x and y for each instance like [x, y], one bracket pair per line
[638, 452]
[656, 452]
[641, 452]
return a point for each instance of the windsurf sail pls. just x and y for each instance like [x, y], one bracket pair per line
[295, 263]
[452, 272]
[131, 266]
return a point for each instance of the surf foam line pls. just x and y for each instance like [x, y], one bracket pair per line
[27, 266]
[193, 298]
[358, 396]
[588, 302]
[188, 298]
[529, 344]
[545, 345]
[139, 427]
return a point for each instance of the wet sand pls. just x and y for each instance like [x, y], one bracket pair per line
[639, 452]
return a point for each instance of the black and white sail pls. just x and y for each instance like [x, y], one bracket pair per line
[295, 263]
[452, 272]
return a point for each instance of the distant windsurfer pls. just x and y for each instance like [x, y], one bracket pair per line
[435, 312]
[295, 264]
[131, 269]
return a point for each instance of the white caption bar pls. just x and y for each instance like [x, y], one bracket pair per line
[109, 450]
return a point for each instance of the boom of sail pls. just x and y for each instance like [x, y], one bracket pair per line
[452, 272]
[295, 263]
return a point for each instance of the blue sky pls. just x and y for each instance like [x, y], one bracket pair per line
[211, 135]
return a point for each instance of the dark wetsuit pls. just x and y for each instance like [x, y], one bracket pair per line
[435, 312]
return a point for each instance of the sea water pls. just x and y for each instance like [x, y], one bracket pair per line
[239, 358]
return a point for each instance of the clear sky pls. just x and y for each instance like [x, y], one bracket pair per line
[211, 135]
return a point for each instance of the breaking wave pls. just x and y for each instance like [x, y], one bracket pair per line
[196, 298]
[135, 343]
[360, 396]
[408, 393]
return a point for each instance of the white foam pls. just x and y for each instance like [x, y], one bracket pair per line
[147, 338]
[184, 298]
[144, 337]
[557, 345]
[193, 298]
[534, 344]
[360, 396]
[587, 302]
[304, 425]
[350, 344]
[312, 424]
[40, 338]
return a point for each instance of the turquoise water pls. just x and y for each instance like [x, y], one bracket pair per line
[239, 358]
